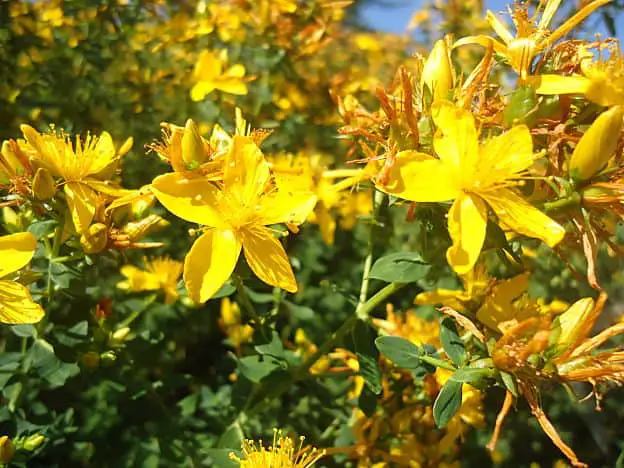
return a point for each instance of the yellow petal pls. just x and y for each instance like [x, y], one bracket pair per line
[16, 251]
[573, 21]
[506, 155]
[208, 66]
[419, 177]
[103, 154]
[499, 27]
[448, 297]
[481, 40]
[286, 207]
[267, 258]
[438, 74]
[17, 305]
[467, 221]
[201, 89]
[81, 201]
[193, 199]
[246, 171]
[522, 217]
[138, 280]
[498, 305]
[573, 322]
[605, 90]
[555, 84]
[456, 142]
[210, 262]
[326, 222]
[232, 86]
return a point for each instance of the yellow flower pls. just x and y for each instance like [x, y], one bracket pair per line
[159, 273]
[601, 81]
[532, 36]
[477, 177]
[85, 168]
[236, 215]
[282, 454]
[210, 74]
[16, 303]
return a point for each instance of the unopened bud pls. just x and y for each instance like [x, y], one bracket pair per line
[119, 336]
[43, 184]
[597, 145]
[139, 229]
[95, 239]
[33, 442]
[108, 358]
[437, 74]
[7, 449]
[193, 149]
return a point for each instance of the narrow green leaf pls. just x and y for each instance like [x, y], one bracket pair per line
[406, 354]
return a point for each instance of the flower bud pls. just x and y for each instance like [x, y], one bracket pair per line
[7, 449]
[597, 145]
[43, 185]
[95, 239]
[33, 442]
[139, 229]
[193, 150]
[108, 358]
[437, 74]
[120, 336]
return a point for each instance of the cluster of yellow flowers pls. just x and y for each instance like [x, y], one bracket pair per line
[505, 170]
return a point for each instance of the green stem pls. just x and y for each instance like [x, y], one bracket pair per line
[562, 203]
[134, 315]
[437, 362]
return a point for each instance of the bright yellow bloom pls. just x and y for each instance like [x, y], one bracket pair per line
[210, 74]
[236, 215]
[282, 454]
[532, 36]
[601, 81]
[16, 303]
[159, 273]
[477, 177]
[85, 168]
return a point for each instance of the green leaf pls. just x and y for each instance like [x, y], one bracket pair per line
[24, 331]
[44, 362]
[448, 402]
[221, 458]
[41, 229]
[510, 382]
[255, 368]
[400, 267]
[405, 354]
[451, 341]
[272, 348]
[367, 355]
[231, 437]
[226, 290]
[472, 375]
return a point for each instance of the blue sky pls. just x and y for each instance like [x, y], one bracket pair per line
[395, 18]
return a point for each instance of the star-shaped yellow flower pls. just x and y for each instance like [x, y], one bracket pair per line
[210, 74]
[16, 303]
[85, 168]
[236, 213]
[532, 35]
[159, 273]
[478, 177]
